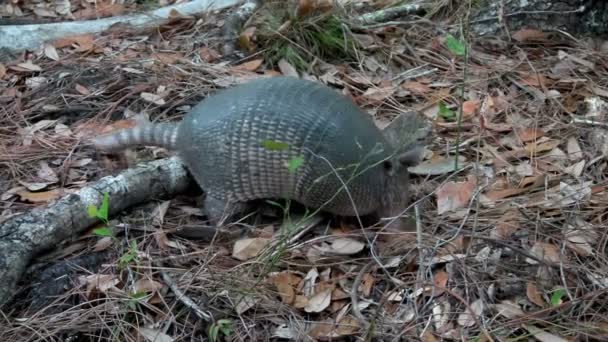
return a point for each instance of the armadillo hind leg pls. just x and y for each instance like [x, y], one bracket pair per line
[221, 212]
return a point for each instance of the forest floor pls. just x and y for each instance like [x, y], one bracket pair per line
[510, 244]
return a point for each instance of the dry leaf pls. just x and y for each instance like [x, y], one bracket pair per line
[574, 149]
[428, 336]
[530, 134]
[367, 283]
[83, 42]
[347, 326]
[248, 248]
[252, 65]
[441, 315]
[438, 166]
[508, 309]
[51, 52]
[41, 197]
[82, 89]
[534, 295]
[506, 225]
[285, 283]
[467, 318]
[345, 246]
[319, 302]
[168, 58]
[153, 98]
[208, 55]
[527, 35]
[245, 303]
[2, 71]
[287, 69]
[542, 335]
[440, 279]
[376, 95]
[154, 335]
[147, 285]
[452, 195]
[580, 241]
[544, 251]
[103, 244]
[545, 146]
[12, 192]
[26, 66]
[416, 87]
[99, 282]
[576, 170]
[46, 173]
[470, 107]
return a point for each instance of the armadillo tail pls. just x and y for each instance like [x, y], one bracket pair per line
[163, 135]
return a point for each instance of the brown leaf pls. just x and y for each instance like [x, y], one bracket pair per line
[147, 285]
[416, 87]
[527, 35]
[534, 295]
[41, 197]
[452, 195]
[535, 148]
[82, 42]
[99, 282]
[285, 282]
[208, 55]
[440, 279]
[252, 65]
[248, 248]
[319, 302]
[470, 107]
[328, 329]
[82, 89]
[506, 225]
[367, 283]
[103, 244]
[530, 134]
[2, 71]
[168, 58]
[545, 251]
[102, 9]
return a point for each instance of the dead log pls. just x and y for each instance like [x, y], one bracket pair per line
[25, 236]
[15, 38]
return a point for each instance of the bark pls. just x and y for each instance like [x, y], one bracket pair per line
[573, 16]
[25, 236]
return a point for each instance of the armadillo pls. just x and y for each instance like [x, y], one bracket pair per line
[282, 138]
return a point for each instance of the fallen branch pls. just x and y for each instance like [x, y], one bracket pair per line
[25, 236]
[19, 37]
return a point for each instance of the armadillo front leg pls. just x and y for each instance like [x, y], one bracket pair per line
[221, 211]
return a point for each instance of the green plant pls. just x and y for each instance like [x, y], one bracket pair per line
[101, 213]
[223, 326]
[132, 255]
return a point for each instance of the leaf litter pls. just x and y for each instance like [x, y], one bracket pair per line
[536, 225]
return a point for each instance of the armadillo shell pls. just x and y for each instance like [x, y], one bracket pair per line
[283, 137]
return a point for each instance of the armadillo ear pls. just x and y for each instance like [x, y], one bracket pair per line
[411, 156]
